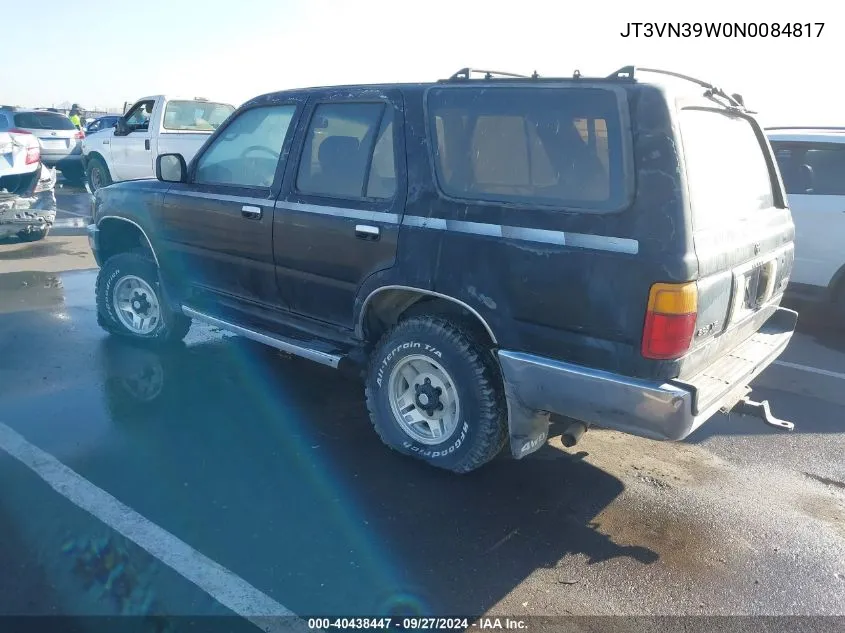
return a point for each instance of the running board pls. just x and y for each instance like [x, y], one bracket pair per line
[287, 345]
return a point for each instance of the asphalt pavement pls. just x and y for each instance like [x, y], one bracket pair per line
[219, 477]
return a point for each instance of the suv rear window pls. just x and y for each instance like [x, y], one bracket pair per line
[727, 173]
[43, 121]
[536, 146]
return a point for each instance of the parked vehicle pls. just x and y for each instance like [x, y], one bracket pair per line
[152, 126]
[60, 140]
[812, 165]
[27, 188]
[489, 251]
[101, 123]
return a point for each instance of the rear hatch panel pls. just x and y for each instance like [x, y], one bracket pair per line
[742, 230]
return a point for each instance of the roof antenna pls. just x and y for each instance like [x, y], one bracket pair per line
[534, 75]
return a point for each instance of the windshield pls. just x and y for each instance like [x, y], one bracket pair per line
[199, 116]
[727, 172]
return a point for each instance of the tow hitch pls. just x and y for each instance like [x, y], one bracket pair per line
[761, 410]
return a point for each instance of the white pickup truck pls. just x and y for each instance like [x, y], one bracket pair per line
[152, 126]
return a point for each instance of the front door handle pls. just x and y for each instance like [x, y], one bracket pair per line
[367, 232]
[146, 143]
[251, 213]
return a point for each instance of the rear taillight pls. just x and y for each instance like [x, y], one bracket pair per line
[17, 130]
[670, 320]
[79, 135]
[33, 155]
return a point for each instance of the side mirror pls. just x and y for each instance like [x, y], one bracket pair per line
[120, 128]
[171, 168]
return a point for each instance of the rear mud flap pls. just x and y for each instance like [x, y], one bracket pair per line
[528, 429]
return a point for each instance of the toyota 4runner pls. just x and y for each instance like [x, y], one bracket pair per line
[488, 249]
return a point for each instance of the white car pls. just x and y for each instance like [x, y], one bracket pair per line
[27, 188]
[812, 165]
[153, 125]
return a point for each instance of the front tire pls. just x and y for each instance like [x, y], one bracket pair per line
[435, 393]
[130, 301]
[98, 174]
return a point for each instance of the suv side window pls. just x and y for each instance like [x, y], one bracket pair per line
[348, 152]
[247, 152]
[811, 169]
[529, 145]
[4, 122]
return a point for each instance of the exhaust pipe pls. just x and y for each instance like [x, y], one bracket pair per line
[573, 433]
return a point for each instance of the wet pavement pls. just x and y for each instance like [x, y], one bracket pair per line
[268, 466]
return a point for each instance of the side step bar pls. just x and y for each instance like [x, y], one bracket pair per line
[288, 345]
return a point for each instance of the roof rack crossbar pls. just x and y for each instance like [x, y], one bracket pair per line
[629, 72]
[466, 73]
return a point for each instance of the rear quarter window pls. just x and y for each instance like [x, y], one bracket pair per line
[559, 147]
[728, 177]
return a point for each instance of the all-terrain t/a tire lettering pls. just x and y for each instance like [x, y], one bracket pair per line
[447, 376]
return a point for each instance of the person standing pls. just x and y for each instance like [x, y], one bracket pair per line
[74, 116]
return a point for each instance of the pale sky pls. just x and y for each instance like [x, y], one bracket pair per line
[100, 53]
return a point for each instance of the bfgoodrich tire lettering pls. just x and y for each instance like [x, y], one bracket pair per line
[480, 431]
[171, 326]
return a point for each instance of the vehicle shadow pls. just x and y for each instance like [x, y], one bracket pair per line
[821, 322]
[270, 466]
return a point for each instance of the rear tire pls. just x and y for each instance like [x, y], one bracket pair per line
[435, 393]
[98, 174]
[130, 301]
[74, 175]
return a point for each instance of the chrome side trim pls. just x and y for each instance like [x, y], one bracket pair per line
[359, 326]
[527, 234]
[265, 202]
[340, 212]
[138, 226]
[286, 346]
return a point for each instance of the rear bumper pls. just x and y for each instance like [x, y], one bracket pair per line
[667, 411]
[30, 210]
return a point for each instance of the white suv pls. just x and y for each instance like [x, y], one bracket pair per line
[812, 165]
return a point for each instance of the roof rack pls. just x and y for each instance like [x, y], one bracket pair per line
[465, 74]
[629, 72]
[831, 128]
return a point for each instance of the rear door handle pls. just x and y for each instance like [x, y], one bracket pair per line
[251, 213]
[367, 232]
[146, 143]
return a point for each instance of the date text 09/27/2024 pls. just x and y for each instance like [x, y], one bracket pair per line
[417, 624]
[722, 29]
